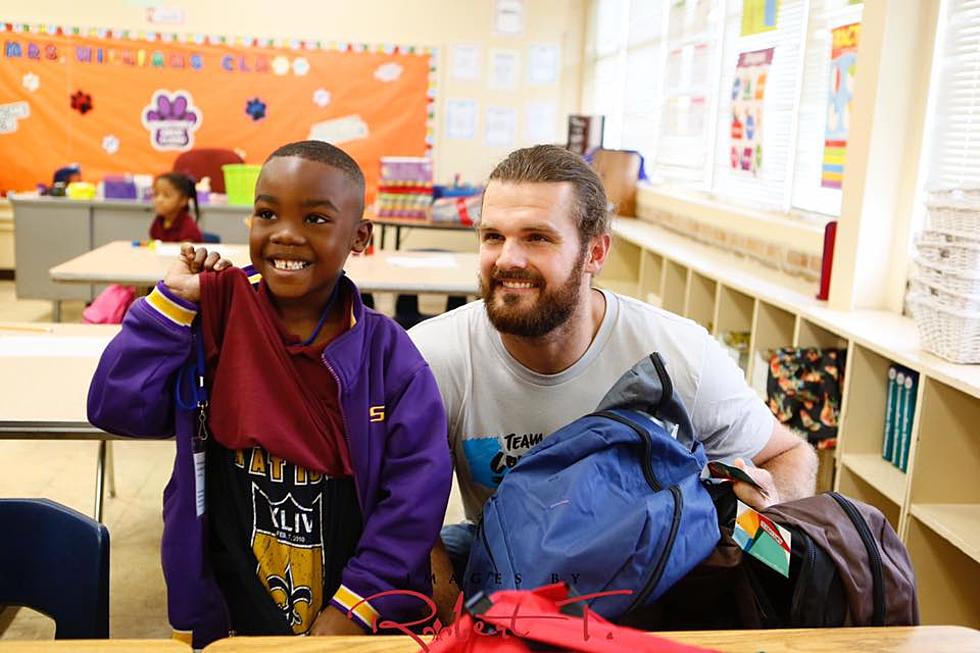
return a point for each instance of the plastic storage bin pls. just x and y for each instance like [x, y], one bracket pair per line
[240, 181]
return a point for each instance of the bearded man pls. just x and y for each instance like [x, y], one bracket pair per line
[543, 347]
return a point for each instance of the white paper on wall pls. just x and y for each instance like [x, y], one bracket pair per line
[461, 118]
[504, 69]
[543, 63]
[465, 61]
[500, 126]
[508, 17]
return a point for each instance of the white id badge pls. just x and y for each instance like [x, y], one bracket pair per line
[199, 481]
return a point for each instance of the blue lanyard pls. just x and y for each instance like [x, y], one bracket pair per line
[326, 311]
[194, 378]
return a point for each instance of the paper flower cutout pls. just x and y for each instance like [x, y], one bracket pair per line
[301, 66]
[81, 102]
[256, 109]
[31, 82]
[280, 65]
[388, 72]
[110, 143]
[321, 97]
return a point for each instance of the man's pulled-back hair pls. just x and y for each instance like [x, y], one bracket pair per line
[327, 154]
[552, 164]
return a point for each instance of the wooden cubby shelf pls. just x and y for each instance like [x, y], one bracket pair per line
[878, 473]
[934, 505]
[957, 523]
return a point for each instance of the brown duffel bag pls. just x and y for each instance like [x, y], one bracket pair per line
[847, 568]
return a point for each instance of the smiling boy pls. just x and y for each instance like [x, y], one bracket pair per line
[301, 501]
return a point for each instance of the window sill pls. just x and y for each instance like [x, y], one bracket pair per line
[800, 231]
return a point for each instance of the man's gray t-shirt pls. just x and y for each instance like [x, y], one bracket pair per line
[498, 409]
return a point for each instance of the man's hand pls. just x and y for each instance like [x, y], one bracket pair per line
[750, 495]
[332, 621]
[182, 278]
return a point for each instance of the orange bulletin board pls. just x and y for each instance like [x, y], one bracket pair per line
[123, 102]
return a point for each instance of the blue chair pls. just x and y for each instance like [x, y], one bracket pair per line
[56, 560]
[209, 237]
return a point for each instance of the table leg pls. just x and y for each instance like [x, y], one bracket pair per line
[398, 237]
[382, 236]
[56, 310]
[100, 480]
[110, 461]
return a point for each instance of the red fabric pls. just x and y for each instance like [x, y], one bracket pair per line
[183, 229]
[267, 389]
[525, 619]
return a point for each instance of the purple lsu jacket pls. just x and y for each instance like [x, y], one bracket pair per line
[399, 452]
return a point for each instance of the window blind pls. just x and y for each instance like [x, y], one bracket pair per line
[954, 153]
[695, 29]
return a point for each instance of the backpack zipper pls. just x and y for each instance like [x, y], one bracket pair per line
[658, 571]
[645, 463]
[877, 575]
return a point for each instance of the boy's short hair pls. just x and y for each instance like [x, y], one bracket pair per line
[553, 164]
[330, 155]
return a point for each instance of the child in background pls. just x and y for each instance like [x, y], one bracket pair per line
[173, 195]
[320, 473]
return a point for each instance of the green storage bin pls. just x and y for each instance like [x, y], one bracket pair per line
[240, 181]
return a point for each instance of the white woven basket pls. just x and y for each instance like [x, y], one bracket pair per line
[964, 282]
[945, 298]
[951, 334]
[952, 251]
[956, 212]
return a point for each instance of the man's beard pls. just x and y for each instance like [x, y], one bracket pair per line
[549, 311]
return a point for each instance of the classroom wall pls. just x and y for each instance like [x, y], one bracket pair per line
[436, 23]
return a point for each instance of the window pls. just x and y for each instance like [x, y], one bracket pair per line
[808, 193]
[953, 156]
[663, 72]
[622, 81]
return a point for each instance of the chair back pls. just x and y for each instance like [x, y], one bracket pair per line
[206, 162]
[56, 560]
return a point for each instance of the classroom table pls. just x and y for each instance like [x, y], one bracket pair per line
[412, 223]
[409, 272]
[47, 369]
[95, 646]
[934, 639]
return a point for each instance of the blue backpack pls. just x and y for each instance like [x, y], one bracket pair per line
[612, 501]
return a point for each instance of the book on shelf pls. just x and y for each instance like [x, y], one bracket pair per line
[891, 399]
[909, 389]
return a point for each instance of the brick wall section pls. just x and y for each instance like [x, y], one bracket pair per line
[776, 256]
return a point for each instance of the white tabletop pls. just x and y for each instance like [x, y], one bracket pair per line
[436, 272]
[47, 369]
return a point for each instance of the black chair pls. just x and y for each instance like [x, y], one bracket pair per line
[56, 560]
[407, 311]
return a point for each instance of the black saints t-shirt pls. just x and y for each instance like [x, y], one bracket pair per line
[280, 536]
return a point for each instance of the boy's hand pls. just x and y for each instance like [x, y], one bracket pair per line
[182, 278]
[332, 621]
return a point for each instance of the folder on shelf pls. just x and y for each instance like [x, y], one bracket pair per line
[891, 399]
